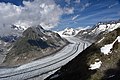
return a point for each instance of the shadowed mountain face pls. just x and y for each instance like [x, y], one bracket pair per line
[34, 44]
[39, 43]
[79, 67]
[113, 73]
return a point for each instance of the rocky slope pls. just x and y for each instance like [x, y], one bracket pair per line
[5, 45]
[100, 61]
[95, 33]
[33, 44]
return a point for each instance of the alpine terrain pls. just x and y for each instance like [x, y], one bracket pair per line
[59, 39]
[100, 61]
[34, 43]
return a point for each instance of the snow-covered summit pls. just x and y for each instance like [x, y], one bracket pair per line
[19, 28]
[100, 27]
[95, 33]
[69, 32]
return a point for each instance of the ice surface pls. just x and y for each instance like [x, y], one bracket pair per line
[49, 63]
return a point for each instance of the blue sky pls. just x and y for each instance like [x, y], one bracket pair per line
[16, 2]
[90, 12]
[82, 13]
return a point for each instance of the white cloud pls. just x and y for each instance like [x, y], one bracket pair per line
[85, 6]
[68, 10]
[44, 12]
[75, 17]
[112, 5]
[67, 1]
[77, 1]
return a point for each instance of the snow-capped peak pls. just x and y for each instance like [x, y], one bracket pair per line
[69, 32]
[105, 27]
[20, 28]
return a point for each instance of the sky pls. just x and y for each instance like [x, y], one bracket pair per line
[56, 14]
[89, 12]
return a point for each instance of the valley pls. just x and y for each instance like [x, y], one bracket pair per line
[48, 64]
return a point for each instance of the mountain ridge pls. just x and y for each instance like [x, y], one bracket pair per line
[34, 44]
[93, 34]
[83, 67]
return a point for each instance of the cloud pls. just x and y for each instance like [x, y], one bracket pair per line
[90, 16]
[44, 12]
[85, 6]
[95, 17]
[113, 5]
[77, 1]
[67, 1]
[68, 10]
[75, 17]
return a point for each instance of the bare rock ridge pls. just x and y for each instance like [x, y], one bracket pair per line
[34, 43]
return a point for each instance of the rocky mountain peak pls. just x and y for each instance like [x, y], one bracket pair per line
[33, 44]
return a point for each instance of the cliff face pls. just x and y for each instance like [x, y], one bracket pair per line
[93, 63]
[34, 44]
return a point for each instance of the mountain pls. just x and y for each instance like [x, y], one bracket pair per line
[4, 48]
[5, 45]
[97, 30]
[100, 61]
[20, 28]
[69, 32]
[34, 43]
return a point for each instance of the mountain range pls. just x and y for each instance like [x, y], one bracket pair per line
[34, 43]
[100, 61]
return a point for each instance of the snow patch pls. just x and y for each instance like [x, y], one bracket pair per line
[118, 38]
[102, 27]
[97, 59]
[5, 43]
[85, 32]
[100, 40]
[44, 38]
[96, 65]
[106, 49]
